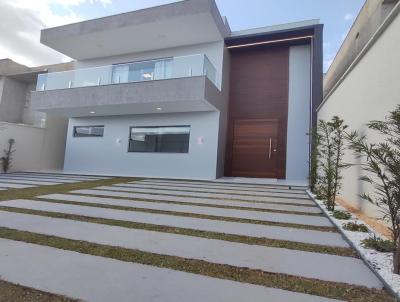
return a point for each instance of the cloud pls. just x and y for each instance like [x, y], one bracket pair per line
[21, 22]
[348, 16]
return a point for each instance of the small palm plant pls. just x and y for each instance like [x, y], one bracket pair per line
[7, 158]
[382, 169]
[331, 145]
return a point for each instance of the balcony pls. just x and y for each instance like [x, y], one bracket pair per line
[175, 84]
[150, 70]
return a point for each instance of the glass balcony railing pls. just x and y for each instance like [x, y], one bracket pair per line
[160, 69]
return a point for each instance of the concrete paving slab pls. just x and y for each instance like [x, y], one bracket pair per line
[204, 210]
[205, 201]
[221, 187]
[97, 191]
[207, 195]
[238, 193]
[48, 177]
[93, 278]
[70, 176]
[14, 186]
[29, 182]
[261, 181]
[22, 177]
[277, 260]
[218, 226]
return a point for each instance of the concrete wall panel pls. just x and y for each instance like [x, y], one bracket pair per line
[297, 155]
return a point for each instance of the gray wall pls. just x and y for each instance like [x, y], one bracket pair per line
[106, 156]
[297, 157]
[12, 100]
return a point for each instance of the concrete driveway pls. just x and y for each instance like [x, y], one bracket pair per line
[173, 240]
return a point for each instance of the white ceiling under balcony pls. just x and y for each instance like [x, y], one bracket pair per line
[182, 23]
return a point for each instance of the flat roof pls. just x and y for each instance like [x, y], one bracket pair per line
[172, 25]
[274, 28]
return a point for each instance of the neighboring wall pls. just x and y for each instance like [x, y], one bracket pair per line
[36, 148]
[109, 154]
[12, 99]
[370, 18]
[297, 156]
[368, 92]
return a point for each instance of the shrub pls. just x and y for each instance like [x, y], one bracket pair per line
[378, 244]
[7, 158]
[331, 139]
[313, 178]
[381, 165]
[355, 227]
[341, 215]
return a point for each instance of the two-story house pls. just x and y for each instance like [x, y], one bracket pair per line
[171, 91]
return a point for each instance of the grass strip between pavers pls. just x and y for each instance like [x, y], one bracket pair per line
[246, 275]
[301, 246]
[198, 204]
[116, 189]
[29, 193]
[10, 292]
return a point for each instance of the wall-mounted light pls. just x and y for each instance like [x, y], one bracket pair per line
[92, 112]
[269, 42]
[158, 108]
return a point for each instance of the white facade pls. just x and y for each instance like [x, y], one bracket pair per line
[109, 154]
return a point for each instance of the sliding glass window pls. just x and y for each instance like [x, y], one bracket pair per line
[160, 69]
[165, 139]
[88, 131]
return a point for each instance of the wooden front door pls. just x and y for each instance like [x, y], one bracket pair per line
[255, 151]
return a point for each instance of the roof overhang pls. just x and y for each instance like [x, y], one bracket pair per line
[296, 33]
[177, 24]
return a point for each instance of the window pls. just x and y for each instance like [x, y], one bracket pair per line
[88, 131]
[142, 71]
[166, 139]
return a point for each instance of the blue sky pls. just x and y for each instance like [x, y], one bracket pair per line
[336, 15]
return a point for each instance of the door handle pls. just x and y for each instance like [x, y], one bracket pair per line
[270, 148]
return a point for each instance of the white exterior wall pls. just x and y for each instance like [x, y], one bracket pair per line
[214, 51]
[103, 155]
[297, 150]
[369, 92]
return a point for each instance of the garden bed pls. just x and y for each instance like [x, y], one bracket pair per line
[380, 262]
